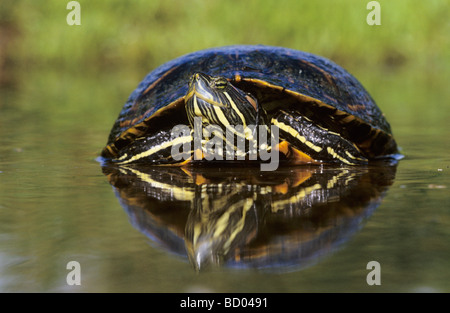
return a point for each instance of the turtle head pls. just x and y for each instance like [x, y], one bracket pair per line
[218, 102]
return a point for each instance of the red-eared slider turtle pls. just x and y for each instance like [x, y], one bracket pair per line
[309, 109]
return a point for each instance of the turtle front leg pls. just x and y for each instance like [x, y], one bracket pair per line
[303, 141]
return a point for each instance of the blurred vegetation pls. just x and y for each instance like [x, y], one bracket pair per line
[142, 34]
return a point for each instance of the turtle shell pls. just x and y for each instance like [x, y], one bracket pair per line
[271, 73]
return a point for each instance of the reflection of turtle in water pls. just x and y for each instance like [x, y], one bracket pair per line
[238, 218]
[321, 113]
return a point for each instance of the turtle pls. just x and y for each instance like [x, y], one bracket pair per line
[247, 103]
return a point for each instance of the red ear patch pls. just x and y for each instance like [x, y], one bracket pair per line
[252, 101]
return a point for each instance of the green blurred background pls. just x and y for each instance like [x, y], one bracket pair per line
[62, 87]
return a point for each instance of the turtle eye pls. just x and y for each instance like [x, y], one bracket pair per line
[220, 83]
